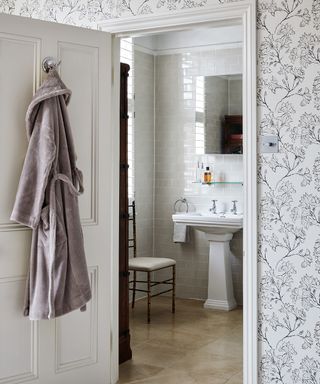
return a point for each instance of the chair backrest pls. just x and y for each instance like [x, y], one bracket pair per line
[132, 217]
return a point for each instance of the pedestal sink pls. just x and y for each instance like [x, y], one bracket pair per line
[219, 230]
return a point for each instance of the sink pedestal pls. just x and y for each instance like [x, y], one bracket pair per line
[219, 230]
[220, 287]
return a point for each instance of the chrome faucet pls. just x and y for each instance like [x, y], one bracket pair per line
[234, 207]
[214, 207]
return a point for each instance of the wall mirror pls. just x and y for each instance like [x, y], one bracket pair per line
[219, 113]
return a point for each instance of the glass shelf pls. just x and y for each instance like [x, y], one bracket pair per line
[219, 182]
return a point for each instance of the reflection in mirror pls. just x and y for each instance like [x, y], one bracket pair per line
[219, 113]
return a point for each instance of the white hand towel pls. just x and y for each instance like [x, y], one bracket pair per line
[180, 233]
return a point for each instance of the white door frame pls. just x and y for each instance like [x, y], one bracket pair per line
[224, 14]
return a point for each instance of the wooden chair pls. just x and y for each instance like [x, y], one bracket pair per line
[148, 265]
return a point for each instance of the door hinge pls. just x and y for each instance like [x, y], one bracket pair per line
[124, 116]
[124, 166]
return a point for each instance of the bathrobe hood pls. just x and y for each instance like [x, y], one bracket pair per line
[51, 87]
[47, 202]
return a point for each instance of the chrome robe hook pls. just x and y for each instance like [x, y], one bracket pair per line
[49, 63]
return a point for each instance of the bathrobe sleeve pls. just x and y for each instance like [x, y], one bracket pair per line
[36, 169]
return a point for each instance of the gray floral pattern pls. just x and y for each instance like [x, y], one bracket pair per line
[289, 241]
[289, 182]
[86, 13]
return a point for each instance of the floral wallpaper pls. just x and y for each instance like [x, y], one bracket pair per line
[289, 182]
[289, 243]
[86, 13]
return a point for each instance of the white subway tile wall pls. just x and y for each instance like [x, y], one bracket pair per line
[144, 156]
[144, 151]
[176, 154]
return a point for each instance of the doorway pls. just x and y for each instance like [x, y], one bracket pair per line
[249, 167]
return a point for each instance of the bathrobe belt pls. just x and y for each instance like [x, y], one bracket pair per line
[53, 225]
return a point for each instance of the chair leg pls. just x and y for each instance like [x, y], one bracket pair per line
[149, 295]
[173, 289]
[134, 289]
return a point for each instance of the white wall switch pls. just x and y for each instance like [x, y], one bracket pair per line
[269, 144]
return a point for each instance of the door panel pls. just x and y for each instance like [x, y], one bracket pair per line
[76, 347]
[16, 88]
[18, 347]
[84, 93]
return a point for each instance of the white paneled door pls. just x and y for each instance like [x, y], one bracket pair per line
[73, 349]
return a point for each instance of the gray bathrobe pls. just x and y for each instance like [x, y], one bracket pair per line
[47, 202]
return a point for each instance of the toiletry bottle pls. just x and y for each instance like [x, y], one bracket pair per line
[202, 173]
[198, 173]
[207, 175]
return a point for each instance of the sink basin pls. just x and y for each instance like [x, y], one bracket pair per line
[210, 223]
[219, 230]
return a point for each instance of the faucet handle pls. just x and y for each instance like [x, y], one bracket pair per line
[234, 207]
[214, 207]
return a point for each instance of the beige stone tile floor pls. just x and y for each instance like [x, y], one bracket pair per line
[194, 346]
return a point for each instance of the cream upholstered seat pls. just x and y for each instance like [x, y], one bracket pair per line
[150, 263]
